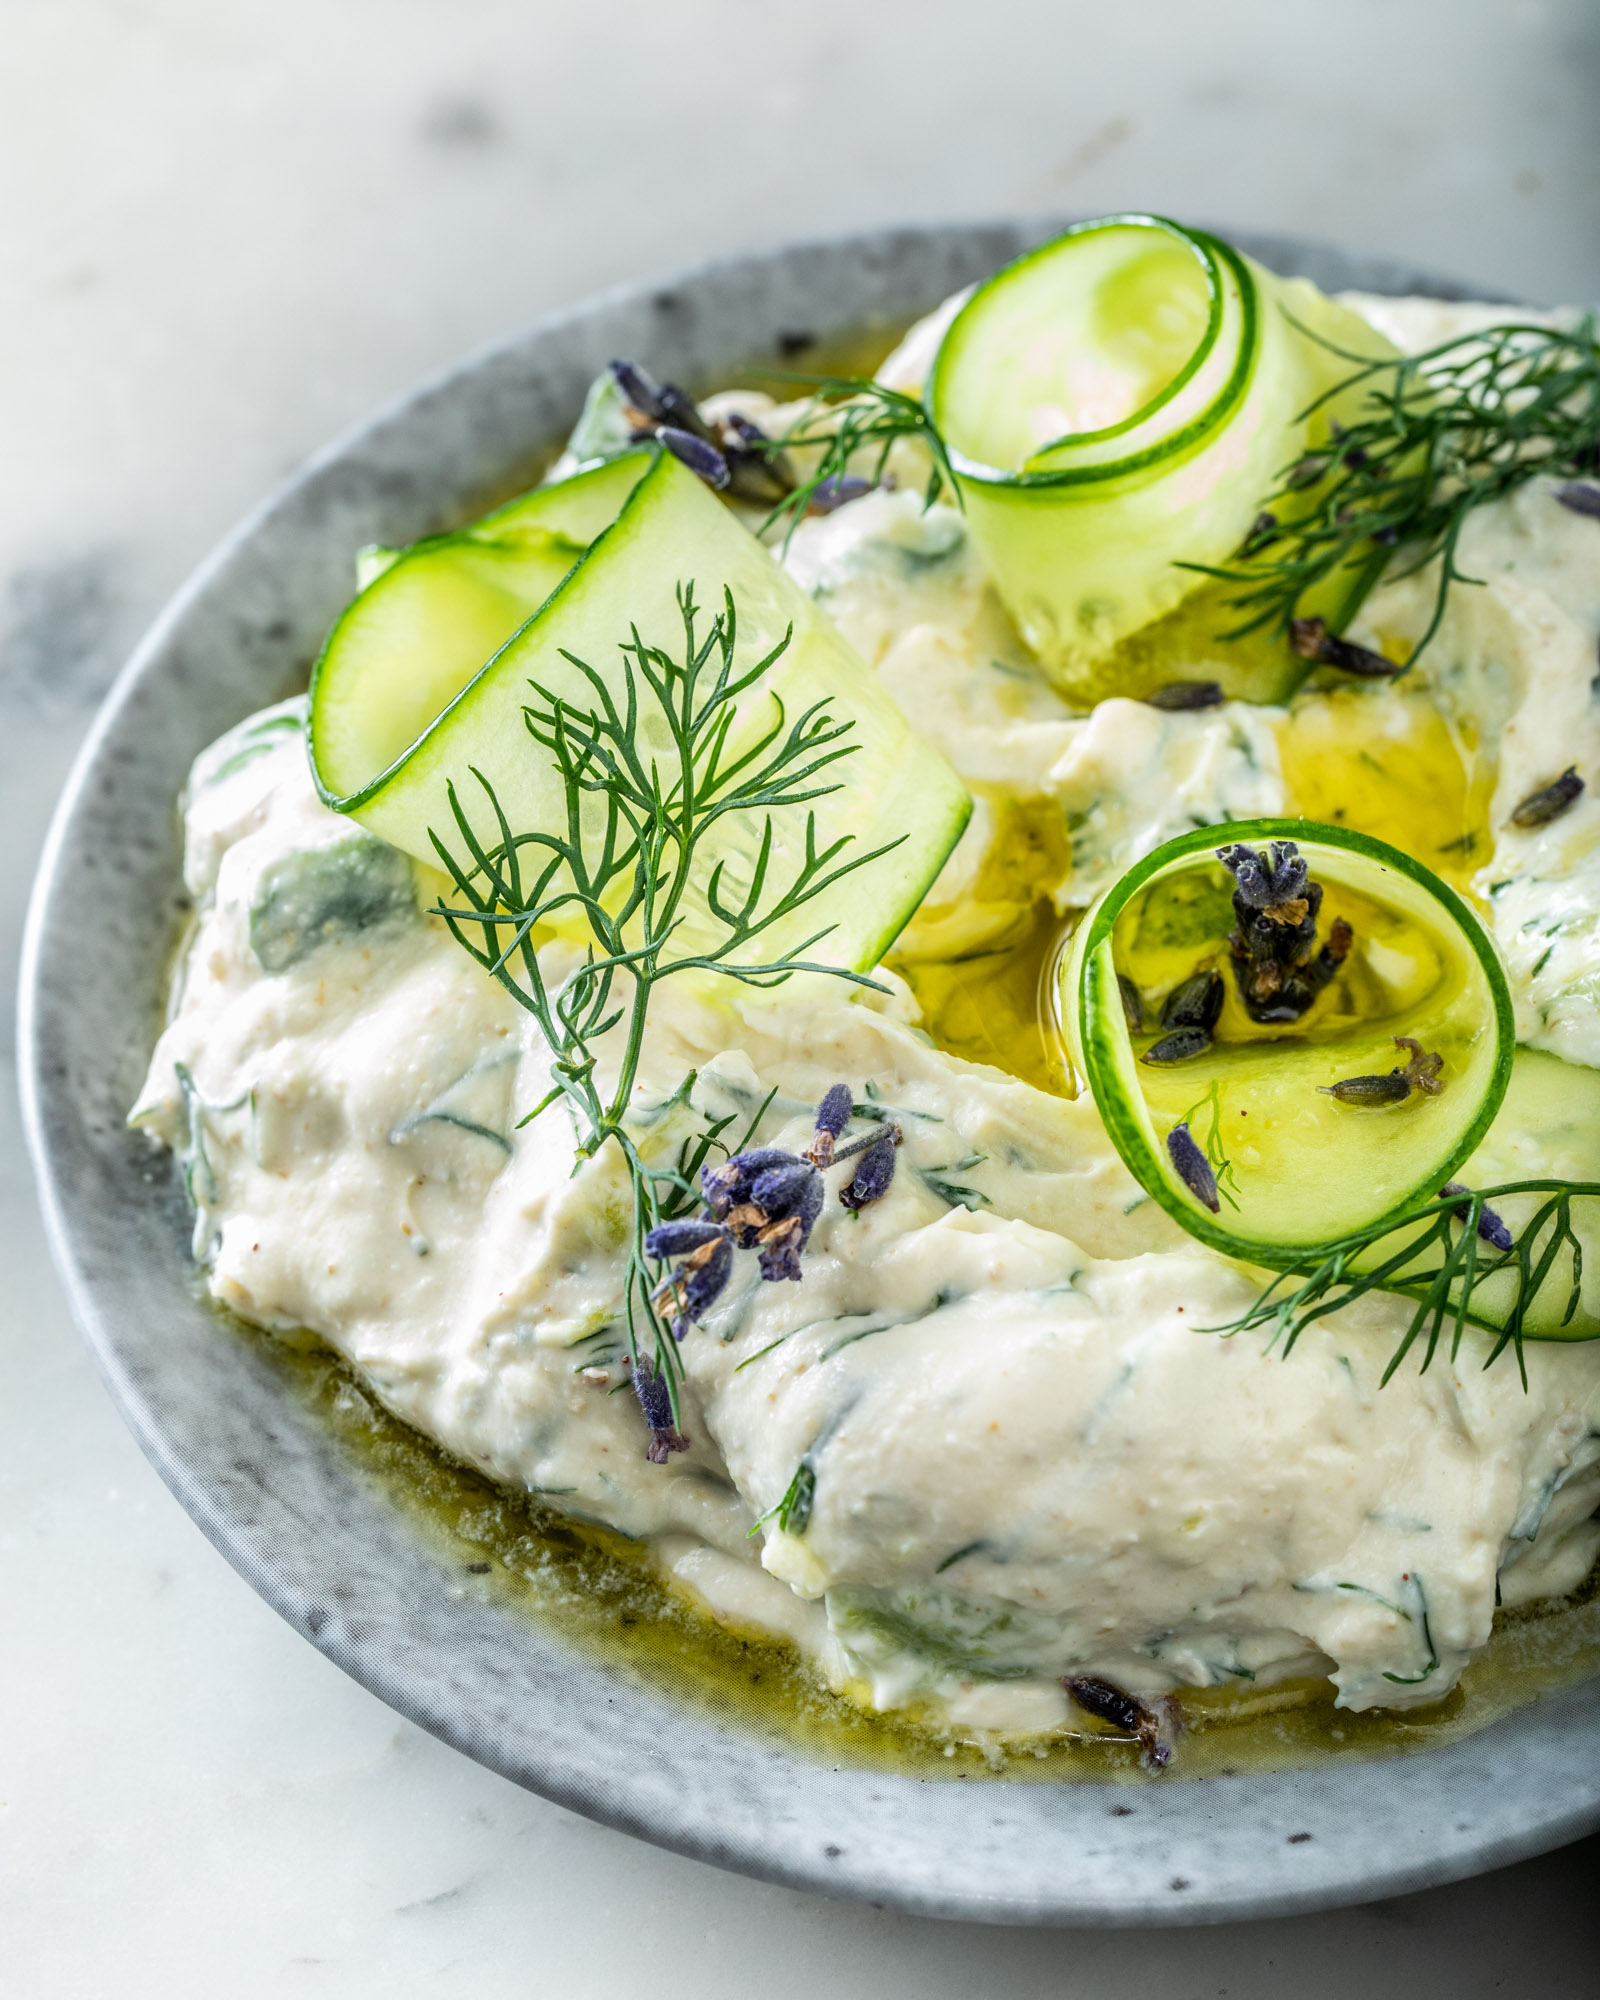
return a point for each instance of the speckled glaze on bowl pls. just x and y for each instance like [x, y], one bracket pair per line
[275, 1492]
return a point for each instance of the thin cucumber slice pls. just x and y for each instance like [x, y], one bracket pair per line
[1115, 405]
[404, 704]
[1297, 1168]
[1547, 1128]
[428, 620]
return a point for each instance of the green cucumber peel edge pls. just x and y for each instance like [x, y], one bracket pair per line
[427, 545]
[1213, 254]
[1129, 1131]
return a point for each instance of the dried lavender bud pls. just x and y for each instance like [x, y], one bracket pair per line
[791, 1190]
[1196, 1002]
[1369, 1090]
[1490, 1226]
[722, 1186]
[680, 412]
[833, 1115]
[1422, 1071]
[1263, 531]
[745, 431]
[1312, 640]
[1178, 696]
[677, 1239]
[871, 1179]
[660, 402]
[1106, 1703]
[1132, 1003]
[1277, 908]
[1182, 1045]
[705, 1275]
[779, 1245]
[1135, 1718]
[838, 492]
[1268, 880]
[690, 1291]
[1581, 498]
[759, 471]
[1493, 1230]
[640, 391]
[1332, 955]
[655, 1399]
[1194, 1169]
[1539, 808]
[701, 458]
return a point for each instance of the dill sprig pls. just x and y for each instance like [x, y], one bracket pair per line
[1437, 435]
[793, 1511]
[1329, 1279]
[847, 415]
[636, 854]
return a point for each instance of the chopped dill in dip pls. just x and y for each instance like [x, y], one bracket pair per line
[710, 1136]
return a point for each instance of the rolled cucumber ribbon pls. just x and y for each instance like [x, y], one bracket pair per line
[1301, 1109]
[1115, 405]
[425, 680]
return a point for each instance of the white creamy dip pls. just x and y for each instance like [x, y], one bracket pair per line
[1032, 1454]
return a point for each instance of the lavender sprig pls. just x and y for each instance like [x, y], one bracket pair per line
[766, 1199]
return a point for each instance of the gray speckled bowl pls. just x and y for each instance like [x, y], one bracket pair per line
[278, 1496]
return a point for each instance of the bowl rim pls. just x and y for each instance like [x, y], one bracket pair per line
[1025, 1853]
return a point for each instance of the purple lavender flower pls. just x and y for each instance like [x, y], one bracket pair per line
[1491, 1226]
[1151, 1725]
[1267, 879]
[701, 458]
[640, 390]
[789, 1191]
[872, 1177]
[677, 1239]
[660, 402]
[655, 1399]
[1194, 1169]
[725, 1186]
[833, 1115]
[699, 1281]
[778, 1247]
[1580, 497]
[760, 471]
[838, 492]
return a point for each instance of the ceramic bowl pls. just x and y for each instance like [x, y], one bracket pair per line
[281, 1498]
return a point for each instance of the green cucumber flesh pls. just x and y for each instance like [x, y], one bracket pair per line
[327, 895]
[428, 620]
[1547, 1128]
[1307, 1168]
[401, 708]
[1117, 403]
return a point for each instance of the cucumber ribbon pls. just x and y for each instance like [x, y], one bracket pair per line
[1300, 1159]
[424, 682]
[1114, 405]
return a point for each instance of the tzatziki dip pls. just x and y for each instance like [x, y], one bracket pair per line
[969, 1002]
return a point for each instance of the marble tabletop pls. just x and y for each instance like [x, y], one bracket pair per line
[229, 229]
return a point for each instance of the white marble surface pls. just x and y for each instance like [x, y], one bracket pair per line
[229, 228]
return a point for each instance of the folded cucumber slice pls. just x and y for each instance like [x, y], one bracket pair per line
[1297, 1167]
[1115, 404]
[419, 631]
[407, 698]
